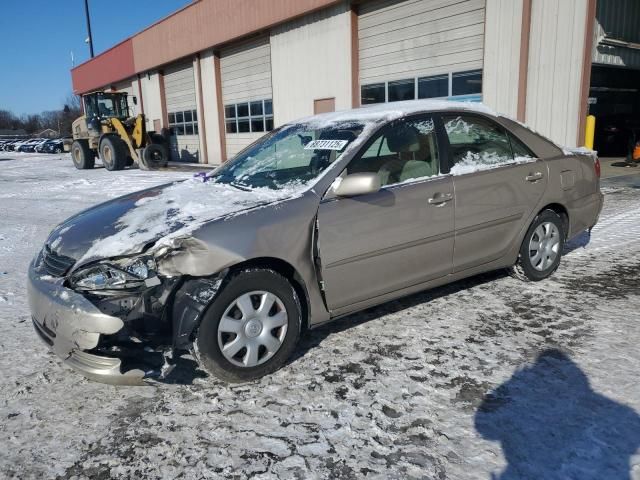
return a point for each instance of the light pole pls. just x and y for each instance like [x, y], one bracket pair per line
[90, 38]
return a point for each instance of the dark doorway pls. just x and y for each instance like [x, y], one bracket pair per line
[614, 99]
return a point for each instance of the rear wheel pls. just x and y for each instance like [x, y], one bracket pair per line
[83, 157]
[541, 248]
[251, 328]
[113, 153]
[154, 156]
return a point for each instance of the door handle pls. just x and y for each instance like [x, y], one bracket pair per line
[533, 177]
[440, 199]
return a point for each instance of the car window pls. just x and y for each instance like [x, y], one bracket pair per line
[520, 150]
[404, 150]
[476, 142]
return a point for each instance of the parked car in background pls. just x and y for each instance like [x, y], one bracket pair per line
[320, 218]
[41, 145]
[30, 145]
[54, 146]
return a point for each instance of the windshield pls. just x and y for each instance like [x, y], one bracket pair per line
[107, 105]
[293, 154]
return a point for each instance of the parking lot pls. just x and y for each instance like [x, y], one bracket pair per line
[488, 376]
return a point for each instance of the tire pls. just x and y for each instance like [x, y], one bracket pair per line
[113, 153]
[82, 156]
[58, 150]
[154, 156]
[252, 286]
[547, 233]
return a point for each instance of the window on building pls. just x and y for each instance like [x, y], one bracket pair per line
[466, 83]
[401, 90]
[438, 86]
[374, 93]
[184, 123]
[249, 117]
[433, 87]
[476, 143]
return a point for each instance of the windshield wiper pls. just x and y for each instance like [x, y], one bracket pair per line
[239, 186]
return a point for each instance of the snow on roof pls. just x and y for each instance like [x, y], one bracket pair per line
[391, 111]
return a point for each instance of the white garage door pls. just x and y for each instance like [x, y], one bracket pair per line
[420, 49]
[245, 71]
[180, 94]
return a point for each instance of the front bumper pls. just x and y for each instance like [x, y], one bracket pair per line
[70, 325]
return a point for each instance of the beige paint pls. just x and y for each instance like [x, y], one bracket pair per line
[311, 59]
[557, 44]
[210, 107]
[407, 39]
[151, 97]
[502, 55]
[245, 70]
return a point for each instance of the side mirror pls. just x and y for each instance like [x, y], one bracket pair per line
[358, 184]
[135, 100]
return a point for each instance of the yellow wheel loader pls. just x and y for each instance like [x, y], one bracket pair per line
[107, 131]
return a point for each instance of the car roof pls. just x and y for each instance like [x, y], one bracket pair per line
[390, 111]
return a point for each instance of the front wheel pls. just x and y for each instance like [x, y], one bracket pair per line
[251, 328]
[541, 248]
[82, 155]
[113, 153]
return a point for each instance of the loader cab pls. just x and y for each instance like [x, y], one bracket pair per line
[102, 105]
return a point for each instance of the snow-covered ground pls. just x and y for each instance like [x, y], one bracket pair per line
[488, 376]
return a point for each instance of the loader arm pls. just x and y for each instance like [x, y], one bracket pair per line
[122, 132]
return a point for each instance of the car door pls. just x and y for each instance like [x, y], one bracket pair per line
[400, 236]
[498, 183]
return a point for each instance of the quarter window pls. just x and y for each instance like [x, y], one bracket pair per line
[476, 143]
[249, 117]
[184, 123]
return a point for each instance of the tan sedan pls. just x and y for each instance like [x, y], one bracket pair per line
[318, 219]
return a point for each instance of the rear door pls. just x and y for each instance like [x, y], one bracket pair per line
[402, 235]
[498, 183]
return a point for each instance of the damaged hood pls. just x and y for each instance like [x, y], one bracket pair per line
[155, 217]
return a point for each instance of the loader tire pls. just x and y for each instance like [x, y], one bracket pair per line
[83, 157]
[155, 156]
[113, 153]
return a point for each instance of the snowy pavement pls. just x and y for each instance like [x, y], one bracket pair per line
[485, 377]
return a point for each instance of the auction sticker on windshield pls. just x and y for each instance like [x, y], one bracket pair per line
[326, 145]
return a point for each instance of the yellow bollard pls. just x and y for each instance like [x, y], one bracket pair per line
[590, 132]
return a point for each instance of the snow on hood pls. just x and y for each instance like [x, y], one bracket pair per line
[177, 211]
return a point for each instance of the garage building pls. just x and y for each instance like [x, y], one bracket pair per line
[220, 73]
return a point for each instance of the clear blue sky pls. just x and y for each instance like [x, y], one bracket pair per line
[38, 37]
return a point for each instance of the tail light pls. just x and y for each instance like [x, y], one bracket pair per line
[597, 166]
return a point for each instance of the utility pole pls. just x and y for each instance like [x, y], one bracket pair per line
[89, 38]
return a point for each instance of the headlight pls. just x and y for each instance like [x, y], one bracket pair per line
[128, 273]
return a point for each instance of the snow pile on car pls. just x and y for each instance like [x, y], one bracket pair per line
[180, 209]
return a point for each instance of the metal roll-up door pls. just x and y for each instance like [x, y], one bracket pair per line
[439, 41]
[245, 71]
[617, 34]
[182, 110]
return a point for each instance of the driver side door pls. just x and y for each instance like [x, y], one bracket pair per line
[401, 236]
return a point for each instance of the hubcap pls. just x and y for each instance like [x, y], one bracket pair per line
[252, 328]
[106, 154]
[544, 246]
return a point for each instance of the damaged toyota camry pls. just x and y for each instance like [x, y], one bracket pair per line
[318, 219]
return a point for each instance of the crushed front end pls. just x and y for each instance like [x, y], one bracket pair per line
[113, 321]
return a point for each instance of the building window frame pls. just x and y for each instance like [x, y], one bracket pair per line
[179, 125]
[258, 118]
[416, 80]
